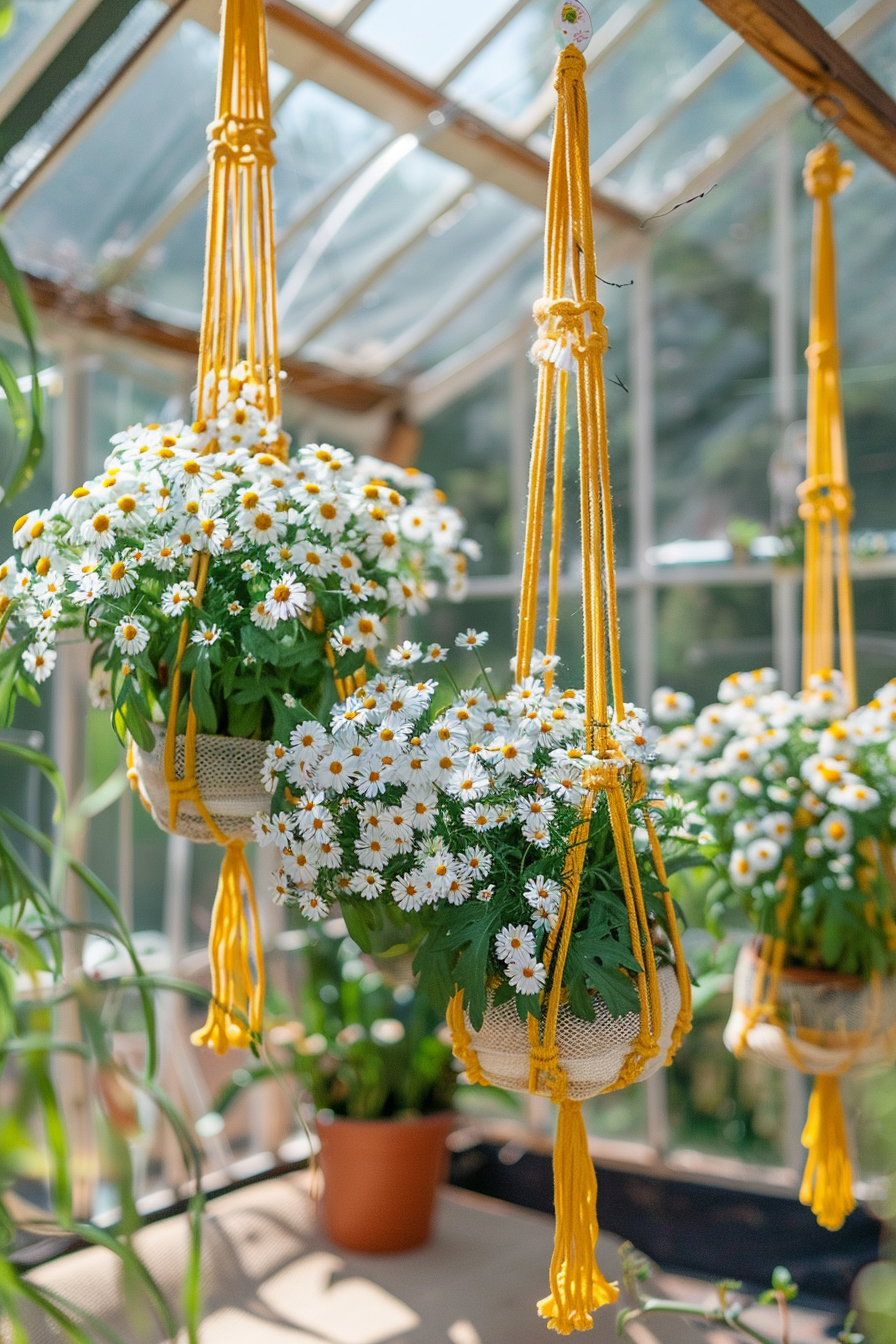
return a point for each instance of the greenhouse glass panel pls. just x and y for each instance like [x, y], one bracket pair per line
[427, 47]
[696, 136]
[632, 82]
[321, 138]
[33, 148]
[466, 447]
[359, 233]
[875, 615]
[705, 633]
[104, 190]
[474, 234]
[712, 316]
[167, 284]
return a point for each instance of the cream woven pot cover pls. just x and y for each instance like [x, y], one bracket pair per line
[592, 1053]
[228, 772]
[825, 1023]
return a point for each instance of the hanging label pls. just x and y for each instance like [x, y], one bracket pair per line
[572, 23]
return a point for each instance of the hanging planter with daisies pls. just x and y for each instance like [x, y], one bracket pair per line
[502, 830]
[797, 796]
[230, 587]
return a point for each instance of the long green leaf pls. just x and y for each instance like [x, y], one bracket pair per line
[48, 768]
[25, 316]
[57, 1139]
[99, 1237]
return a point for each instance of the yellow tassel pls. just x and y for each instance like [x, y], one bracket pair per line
[577, 1285]
[236, 958]
[827, 1180]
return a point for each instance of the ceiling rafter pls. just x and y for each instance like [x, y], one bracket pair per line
[35, 63]
[789, 38]
[857, 24]
[73, 307]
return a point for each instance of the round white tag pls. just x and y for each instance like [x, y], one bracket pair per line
[572, 23]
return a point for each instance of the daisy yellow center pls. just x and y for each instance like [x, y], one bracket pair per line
[100, 523]
[43, 566]
[192, 468]
[118, 571]
[328, 511]
[130, 632]
[365, 627]
[263, 522]
[80, 493]
[127, 504]
[281, 593]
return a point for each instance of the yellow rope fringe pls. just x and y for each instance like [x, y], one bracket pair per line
[577, 1285]
[827, 1181]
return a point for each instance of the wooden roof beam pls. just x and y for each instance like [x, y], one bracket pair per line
[96, 311]
[789, 38]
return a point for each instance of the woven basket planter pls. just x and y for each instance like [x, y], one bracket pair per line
[592, 1053]
[824, 1022]
[228, 771]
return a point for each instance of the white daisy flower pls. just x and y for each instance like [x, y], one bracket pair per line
[422, 802]
[405, 654]
[854, 796]
[206, 635]
[764, 855]
[435, 653]
[408, 892]
[367, 884]
[477, 862]
[262, 829]
[260, 616]
[836, 832]
[39, 660]
[514, 942]
[330, 852]
[130, 636]
[527, 975]
[336, 770]
[177, 597]
[312, 906]
[98, 531]
[722, 797]
[543, 891]
[740, 869]
[314, 561]
[471, 639]
[286, 598]
[374, 851]
[365, 629]
[301, 863]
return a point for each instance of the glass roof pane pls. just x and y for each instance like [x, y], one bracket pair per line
[635, 80]
[359, 232]
[497, 309]
[427, 41]
[168, 282]
[320, 138]
[503, 79]
[104, 192]
[468, 241]
[31, 21]
[698, 135]
[21, 161]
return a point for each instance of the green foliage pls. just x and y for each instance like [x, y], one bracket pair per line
[27, 416]
[48, 1013]
[366, 1046]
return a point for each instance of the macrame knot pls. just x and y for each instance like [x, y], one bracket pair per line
[567, 330]
[245, 139]
[547, 1077]
[603, 776]
[823, 174]
[822, 499]
[570, 65]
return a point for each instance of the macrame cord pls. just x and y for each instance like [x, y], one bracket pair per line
[572, 339]
[826, 508]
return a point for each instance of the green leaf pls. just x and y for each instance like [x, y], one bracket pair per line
[18, 406]
[357, 926]
[137, 725]
[203, 705]
[528, 1005]
[619, 993]
[27, 321]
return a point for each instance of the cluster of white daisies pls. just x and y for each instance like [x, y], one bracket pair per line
[476, 803]
[787, 784]
[356, 539]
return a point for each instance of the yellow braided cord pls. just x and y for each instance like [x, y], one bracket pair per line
[460, 1039]
[577, 1285]
[825, 495]
[827, 1181]
[240, 277]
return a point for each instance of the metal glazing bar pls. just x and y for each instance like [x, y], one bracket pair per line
[36, 62]
[643, 445]
[482, 43]
[352, 15]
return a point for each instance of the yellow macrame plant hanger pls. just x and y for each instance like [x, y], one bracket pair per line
[825, 508]
[239, 299]
[572, 338]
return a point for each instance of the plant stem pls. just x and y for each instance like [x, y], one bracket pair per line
[711, 1315]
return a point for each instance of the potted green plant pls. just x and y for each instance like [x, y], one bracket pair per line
[376, 1060]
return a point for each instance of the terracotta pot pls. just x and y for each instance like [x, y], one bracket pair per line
[380, 1180]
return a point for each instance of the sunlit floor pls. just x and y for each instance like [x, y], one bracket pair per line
[269, 1277]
